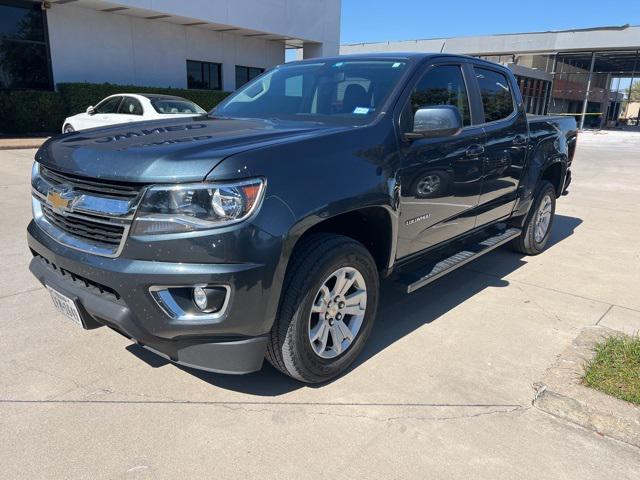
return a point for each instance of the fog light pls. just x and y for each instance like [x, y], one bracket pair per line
[200, 298]
[193, 302]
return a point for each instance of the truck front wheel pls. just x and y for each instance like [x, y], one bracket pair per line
[327, 309]
[537, 227]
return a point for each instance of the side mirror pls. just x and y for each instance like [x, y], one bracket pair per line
[91, 110]
[436, 121]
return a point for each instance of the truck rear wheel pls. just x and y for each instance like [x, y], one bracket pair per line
[327, 309]
[537, 227]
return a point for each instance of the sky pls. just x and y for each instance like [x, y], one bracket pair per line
[382, 20]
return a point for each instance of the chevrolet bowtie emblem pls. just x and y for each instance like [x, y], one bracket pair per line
[58, 200]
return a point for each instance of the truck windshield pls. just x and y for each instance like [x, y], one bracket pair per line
[345, 92]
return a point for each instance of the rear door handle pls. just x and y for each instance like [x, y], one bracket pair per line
[475, 150]
[519, 140]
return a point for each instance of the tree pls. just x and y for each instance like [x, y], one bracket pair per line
[634, 92]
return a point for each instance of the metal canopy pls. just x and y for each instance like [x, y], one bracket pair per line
[622, 63]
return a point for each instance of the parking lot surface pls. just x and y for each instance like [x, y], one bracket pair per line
[443, 390]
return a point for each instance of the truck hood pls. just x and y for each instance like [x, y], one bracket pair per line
[175, 150]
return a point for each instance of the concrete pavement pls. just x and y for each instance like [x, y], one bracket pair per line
[443, 390]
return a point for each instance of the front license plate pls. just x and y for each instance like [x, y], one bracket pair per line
[65, 306]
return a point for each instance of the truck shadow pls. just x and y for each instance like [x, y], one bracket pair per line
[399, 314]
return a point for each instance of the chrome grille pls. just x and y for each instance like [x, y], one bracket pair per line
[90, 186]
[85, 227]
[85, 214]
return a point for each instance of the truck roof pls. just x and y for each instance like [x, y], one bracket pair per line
[416, 56]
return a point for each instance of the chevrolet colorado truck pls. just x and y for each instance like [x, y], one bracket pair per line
[263, 229]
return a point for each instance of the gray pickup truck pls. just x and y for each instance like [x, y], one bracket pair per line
[262, 229]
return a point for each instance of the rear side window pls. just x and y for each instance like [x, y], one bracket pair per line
[131, 106]
[442, 85]
[109, 105]
[175, 106]
[496, 94]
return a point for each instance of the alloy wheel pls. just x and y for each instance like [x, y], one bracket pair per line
[429, 184]
[543, 219]
[337, 313]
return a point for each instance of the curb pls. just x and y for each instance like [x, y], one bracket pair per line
[21, 144]
[19, 147]
[562, 394]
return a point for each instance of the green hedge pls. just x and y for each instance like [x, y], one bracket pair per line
[31, 112]
[78, 96]
[43, 112]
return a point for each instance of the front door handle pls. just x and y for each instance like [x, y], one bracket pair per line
[475, 150]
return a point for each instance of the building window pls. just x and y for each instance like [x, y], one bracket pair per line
[24, 49]
[535, 94]
[204, 75]
[246, 74]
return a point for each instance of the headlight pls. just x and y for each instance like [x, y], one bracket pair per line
[194, 207]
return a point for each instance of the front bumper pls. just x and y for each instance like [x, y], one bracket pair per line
[115, 292]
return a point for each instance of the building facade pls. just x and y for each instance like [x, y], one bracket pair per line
[200, 44]
[587, 73]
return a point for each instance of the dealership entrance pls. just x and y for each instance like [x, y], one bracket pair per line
[601, 88]
[591, 73]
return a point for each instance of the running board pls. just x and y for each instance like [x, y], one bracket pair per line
[432, 271]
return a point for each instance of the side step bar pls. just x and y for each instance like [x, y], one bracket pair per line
[434, 270]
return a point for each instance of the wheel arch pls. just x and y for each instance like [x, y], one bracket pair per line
[547, 160]
[372, 226]
[554, 173]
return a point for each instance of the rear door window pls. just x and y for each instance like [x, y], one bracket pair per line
[495, 91]
[130, 106]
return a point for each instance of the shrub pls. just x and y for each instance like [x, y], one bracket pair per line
[31, 112]
[39, 112]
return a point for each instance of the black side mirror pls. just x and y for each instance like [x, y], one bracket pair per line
[436, 121]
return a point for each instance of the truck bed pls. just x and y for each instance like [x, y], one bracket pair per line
[566, 123]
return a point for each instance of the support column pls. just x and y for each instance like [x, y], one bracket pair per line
[588, 91]
[549, 97]
[607, 102]
[315, 50]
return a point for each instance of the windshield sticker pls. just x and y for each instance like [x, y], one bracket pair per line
[396, 65]
[361, 110]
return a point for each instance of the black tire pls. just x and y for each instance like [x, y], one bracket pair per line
[289, 349]
[68, 129]
[527, 243]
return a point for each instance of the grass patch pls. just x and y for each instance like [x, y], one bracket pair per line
[615, 369]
